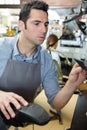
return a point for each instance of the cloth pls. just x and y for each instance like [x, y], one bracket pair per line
[12, 62]
[2, 125]
[18, 73]
[49, 78]
[23, 75]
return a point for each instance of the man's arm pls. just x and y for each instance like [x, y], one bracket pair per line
[76, 77]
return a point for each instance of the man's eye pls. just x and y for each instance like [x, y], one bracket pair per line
[46, 25]
[36, 23]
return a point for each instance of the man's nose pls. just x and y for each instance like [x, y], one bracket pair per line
[44, 29]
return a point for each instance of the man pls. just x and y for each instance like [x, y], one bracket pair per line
[24, 65]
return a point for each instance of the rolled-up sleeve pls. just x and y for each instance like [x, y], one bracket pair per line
[49, 77]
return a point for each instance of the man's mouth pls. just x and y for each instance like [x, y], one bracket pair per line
[42, 38]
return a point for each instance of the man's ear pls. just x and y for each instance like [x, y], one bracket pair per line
[21, 25]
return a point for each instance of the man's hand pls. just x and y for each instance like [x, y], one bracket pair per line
[8, 98]
[77, 75]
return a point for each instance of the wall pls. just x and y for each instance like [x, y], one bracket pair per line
[59, 2]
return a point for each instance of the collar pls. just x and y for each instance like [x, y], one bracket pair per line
[17, 53]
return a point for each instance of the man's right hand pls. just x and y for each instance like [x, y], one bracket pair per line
[8, 98]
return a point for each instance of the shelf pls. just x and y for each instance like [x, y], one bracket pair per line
[10, 6]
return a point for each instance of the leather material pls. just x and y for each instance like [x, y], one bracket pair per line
[33, 113]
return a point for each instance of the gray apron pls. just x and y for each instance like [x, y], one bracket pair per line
[21, 78]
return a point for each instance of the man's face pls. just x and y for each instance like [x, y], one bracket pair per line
[36, 27]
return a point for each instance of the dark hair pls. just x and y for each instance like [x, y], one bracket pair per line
[33, 4]
[51, 40]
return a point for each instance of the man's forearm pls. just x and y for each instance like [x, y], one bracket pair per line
[63, 96]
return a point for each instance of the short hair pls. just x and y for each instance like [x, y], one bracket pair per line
[33, 4]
